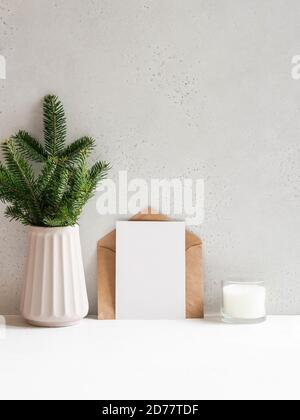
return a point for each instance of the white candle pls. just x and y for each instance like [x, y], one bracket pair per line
[244, 301]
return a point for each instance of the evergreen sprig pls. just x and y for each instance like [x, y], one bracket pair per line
[29, 147]
[55, 126]
[56, 196]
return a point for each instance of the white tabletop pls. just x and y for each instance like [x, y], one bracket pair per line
[151, 360]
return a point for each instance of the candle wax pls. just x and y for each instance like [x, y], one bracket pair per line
[244, 301]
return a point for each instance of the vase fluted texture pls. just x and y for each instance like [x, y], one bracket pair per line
[54, 292]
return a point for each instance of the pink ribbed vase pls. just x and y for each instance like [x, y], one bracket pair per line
[54, 292]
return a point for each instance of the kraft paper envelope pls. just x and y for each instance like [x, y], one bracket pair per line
[107, 272]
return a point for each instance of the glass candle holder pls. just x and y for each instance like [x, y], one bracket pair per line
[244, 302]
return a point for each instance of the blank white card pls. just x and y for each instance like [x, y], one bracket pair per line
[150, 271]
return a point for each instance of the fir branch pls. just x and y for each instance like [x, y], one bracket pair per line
[15, 213]
[74, 151]
[63, 219]
[46, 176]
[99, 171]
[22, 173]
[80, 187]
[29, 147]
[64, 182]
[9, 191]
[60, 188]
[55, 128]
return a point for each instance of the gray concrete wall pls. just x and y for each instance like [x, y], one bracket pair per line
[169, 88]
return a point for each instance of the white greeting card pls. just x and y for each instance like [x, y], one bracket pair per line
[150, 271]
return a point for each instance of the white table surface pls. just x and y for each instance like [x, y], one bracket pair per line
[151, 360]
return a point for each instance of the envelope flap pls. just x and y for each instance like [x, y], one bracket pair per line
[109, 241]
[192, 240]
[148, 215]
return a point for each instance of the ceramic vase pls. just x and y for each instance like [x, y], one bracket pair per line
[54, 292]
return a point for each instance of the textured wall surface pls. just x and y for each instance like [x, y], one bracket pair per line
[171, 88]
